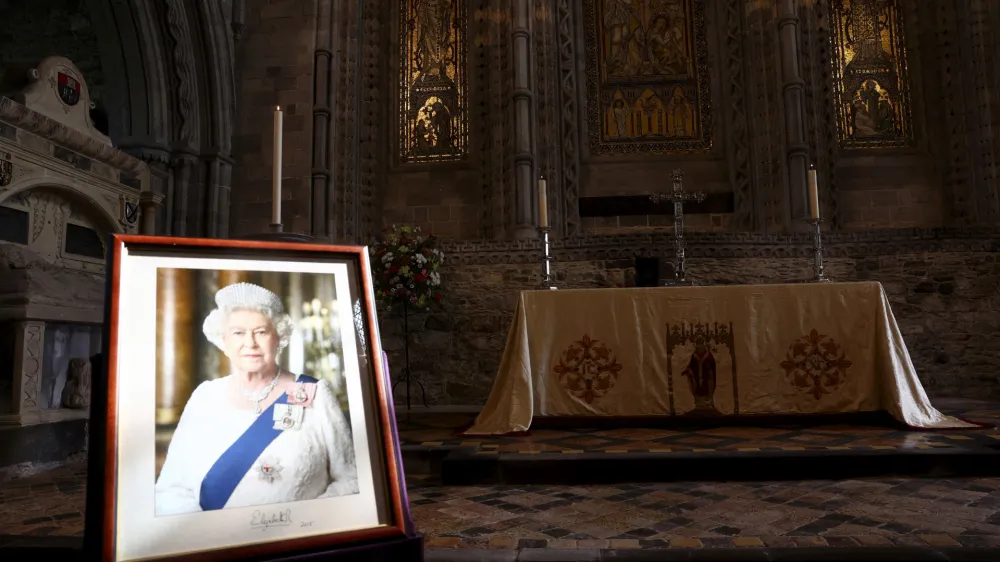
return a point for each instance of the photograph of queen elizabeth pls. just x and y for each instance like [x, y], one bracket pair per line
[257, 434]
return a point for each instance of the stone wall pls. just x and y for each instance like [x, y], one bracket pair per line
[32, 31]
[275, 67]
[944, 287]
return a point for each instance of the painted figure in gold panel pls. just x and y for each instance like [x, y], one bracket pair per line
[647, 79]
[872, 114]
[433, 117]
[870, 74]
[433, 38]
[649, 117]
[645, 38]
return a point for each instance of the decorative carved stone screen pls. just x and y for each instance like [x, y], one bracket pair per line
[869, 74]
[433, 117]
[648, 86]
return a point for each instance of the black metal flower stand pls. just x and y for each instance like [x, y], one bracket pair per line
[408, 376]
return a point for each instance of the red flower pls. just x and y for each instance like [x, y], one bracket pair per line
[394, 269]
[437, 297]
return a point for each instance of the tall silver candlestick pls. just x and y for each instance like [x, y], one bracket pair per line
[546, 258]
[818, 274]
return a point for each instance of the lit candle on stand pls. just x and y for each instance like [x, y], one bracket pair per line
[543, 204]
[276, 195]
[813, 194]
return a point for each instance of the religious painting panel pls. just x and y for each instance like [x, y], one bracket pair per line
[869, 74]
[433, 113]
[286, 443]
[648, 86]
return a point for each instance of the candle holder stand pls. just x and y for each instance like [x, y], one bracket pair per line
[819, 276]
[277, 227]
[543, 231]
[408, 378]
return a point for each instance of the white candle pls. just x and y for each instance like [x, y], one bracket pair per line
[813, 194]
[543, 204]
[276, 195]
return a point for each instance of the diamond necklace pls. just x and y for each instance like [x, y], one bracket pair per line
[262, 394]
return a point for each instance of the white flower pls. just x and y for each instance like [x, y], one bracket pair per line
[388, 257]
[403, 249]
[435, 278]
[420, 259]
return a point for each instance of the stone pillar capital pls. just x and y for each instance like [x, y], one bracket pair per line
[149, 204]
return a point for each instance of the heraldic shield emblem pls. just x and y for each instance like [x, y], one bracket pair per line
[130, 212]
[69, 89]
[6, 173]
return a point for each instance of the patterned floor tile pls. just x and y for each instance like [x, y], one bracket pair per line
[441, 431]
[808, 513]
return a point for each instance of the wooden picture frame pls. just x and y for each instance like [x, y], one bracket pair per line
[123, 521]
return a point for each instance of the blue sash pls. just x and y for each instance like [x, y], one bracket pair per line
[227, 472]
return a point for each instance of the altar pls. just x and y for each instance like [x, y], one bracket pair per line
[809, 348]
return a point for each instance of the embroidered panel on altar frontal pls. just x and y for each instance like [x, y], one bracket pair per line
[701, 369]
[648, 86]
[869, 74]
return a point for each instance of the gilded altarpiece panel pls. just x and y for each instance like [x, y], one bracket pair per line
[648, 86]
[434, 124]
[869, 67]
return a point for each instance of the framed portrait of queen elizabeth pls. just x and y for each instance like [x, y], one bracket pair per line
[245, 411]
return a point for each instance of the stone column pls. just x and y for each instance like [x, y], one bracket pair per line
[149, 204]
[524, 124]
[176, 328]
[238, 19]
[796, 148]
[219, 177]
[183, 187]
[322, 113]
[29, 341]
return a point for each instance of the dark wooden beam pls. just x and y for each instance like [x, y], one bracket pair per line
[637, 205]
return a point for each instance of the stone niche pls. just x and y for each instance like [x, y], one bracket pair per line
[63, 189]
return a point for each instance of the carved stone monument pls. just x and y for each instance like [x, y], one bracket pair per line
[63, 189]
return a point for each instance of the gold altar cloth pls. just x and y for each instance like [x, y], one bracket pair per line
[724, 350]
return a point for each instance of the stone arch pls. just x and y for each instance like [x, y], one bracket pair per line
[71, 191]
[170, 108]
[65, 226]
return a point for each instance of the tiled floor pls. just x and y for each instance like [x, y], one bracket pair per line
[440, 431]
[884, 512]
[750, 515]
[938, 513]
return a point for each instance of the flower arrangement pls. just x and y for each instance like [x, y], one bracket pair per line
[405, 268]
